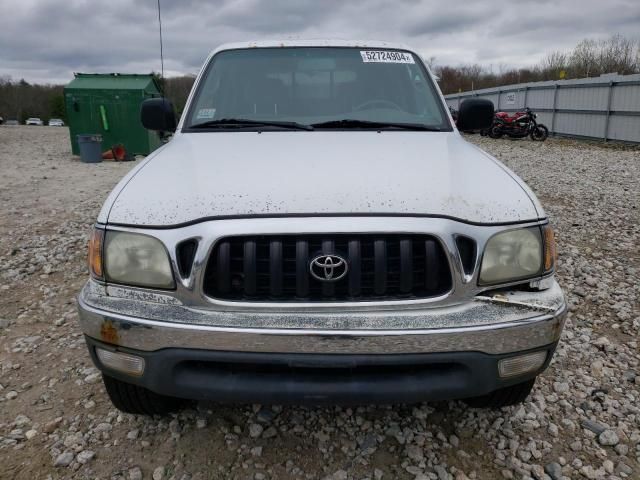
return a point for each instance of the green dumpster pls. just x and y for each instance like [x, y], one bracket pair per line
[109, 105]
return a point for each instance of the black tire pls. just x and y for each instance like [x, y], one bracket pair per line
[504, 397]
[495, 132]
[540, 133]
[134, 399]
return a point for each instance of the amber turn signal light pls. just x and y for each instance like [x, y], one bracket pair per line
[95, 253]
[550, 252]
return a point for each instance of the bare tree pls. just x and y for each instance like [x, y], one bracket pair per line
[584, 59]
[553, 64]
[618, 54]
[431, 61]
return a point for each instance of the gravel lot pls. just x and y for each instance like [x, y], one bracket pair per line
[582, 421]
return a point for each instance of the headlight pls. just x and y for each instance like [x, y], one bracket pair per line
[134, 259]
[512, 255]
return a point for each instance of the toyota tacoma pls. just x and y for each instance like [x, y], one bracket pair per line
[317, 231]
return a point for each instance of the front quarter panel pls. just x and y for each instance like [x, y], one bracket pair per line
[532, 196]
[103, 216]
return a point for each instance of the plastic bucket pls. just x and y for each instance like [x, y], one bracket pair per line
[90, 148]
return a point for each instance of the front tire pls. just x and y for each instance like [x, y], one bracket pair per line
[540, 133]
[503, 397]
[131, 398]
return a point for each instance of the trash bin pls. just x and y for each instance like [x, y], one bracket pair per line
[90, 147]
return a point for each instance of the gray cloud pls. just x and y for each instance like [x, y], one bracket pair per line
[277, 15]
[448, 20]
[48, 40]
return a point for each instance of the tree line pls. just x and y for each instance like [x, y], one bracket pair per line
[589, 58]
[20, 100]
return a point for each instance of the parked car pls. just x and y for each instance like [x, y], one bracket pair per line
[318, 231]
[34, 121]
[56, 122]
[1, 120]
[12, 122]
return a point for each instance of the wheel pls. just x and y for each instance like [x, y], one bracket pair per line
[504, 397]
[134, 399]
[540, 133]
[495, 132]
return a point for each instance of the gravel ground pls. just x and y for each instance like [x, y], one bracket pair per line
[582, 421]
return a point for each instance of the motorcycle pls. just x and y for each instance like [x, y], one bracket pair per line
[518, 125]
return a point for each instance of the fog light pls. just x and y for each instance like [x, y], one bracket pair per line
[509, 367]
[122, 362]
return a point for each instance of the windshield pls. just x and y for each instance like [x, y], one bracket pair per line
[311, 86]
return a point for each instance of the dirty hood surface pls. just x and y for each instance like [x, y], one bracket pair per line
[200, 176]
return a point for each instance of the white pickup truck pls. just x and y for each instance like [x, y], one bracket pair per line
[318, 231]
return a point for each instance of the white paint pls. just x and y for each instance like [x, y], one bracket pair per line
[208, 174]
[212, 174]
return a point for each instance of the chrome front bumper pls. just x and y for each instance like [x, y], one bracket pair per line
[516, 321]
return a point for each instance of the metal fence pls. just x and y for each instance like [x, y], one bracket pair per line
[605, 107]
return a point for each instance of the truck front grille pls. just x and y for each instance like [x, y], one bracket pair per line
[277, 268]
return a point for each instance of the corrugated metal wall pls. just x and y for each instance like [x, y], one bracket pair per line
[606, 107]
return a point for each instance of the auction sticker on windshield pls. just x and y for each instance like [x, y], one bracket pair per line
[207, 113]
[386, 56]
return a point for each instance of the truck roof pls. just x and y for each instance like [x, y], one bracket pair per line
[297, 42]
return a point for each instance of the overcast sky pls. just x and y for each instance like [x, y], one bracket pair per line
[47, 40]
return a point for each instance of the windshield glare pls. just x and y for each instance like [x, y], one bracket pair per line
[316, 85]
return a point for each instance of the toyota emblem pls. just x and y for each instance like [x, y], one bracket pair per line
[328, 268]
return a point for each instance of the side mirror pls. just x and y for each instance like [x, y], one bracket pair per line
[475, 114]
[157, 114]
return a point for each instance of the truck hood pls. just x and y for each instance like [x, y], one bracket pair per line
[199, 176]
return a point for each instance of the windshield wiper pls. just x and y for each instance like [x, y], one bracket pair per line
[245, 122]
[353, 123]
